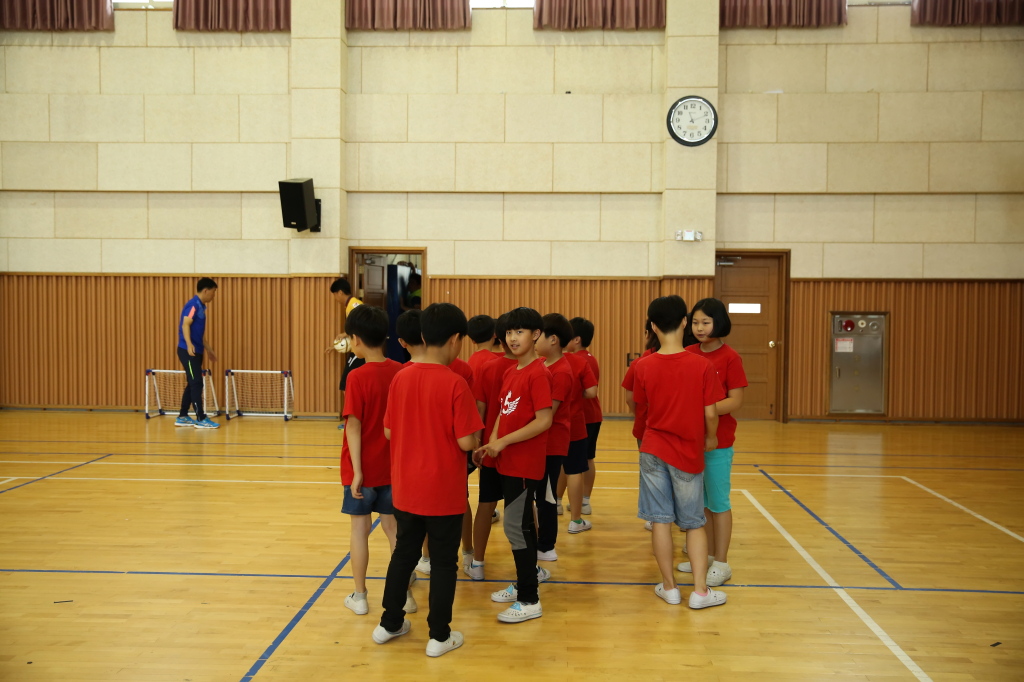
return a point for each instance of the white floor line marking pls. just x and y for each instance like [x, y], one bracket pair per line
[13, 478]
[868, 620]
[963, 508]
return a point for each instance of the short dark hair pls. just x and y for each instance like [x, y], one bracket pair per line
[440, 322]
[500, 327]
[523, 318]
[556, 325]
[719, 314]
[653, 342]
[668, 313]
[583, 328]
[369, 323]
[205, 283]
[341, 284]
[408, 327]
[481, 328]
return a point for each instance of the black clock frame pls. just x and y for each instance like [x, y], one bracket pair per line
[690, 143]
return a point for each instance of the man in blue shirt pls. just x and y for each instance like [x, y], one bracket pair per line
[191, 326]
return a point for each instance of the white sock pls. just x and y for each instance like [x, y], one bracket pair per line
[360, 596]
[711, 561]
[477, 563]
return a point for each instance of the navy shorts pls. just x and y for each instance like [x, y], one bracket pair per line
[374, 500]
[576, 460]
[592, 432]
[490, 485]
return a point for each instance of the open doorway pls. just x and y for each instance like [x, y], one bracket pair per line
[389, 278]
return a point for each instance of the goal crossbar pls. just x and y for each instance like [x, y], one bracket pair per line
[259, 393]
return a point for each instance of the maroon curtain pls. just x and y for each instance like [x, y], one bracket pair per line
[967, 12]
[246, 16]
[781, 13]
[57, 15]
[406, 15]
[570, 15]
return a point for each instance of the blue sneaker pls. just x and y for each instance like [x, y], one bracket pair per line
[184, 421]
[341, 427]
[206, 424]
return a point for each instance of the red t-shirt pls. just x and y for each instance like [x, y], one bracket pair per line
[479, 359]
[729, 367]
[676, 389]
[640, 413]
[366, 399]
[523, 393]
[487, 389]
[463, 369]
[592, 406]
[561, 389]
[584, 379]
[429, 409]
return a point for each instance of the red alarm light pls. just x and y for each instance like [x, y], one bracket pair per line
[848, 325]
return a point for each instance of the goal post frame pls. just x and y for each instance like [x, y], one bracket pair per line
[209, 390]
[231, 392]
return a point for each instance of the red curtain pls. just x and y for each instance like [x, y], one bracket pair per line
[781, 13]
[571, 15]
[247, 16]
[57, 15]
[406, 15]
[967, 12]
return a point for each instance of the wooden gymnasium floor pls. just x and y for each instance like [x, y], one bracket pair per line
[131, 550]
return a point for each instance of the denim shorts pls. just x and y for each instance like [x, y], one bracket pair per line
[718, 479]
[669, 495]
[374, 500]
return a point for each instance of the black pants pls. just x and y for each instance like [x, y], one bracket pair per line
[444, 534]
[521, 533]
[193, 395]
[547, 512]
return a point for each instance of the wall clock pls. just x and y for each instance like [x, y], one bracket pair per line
[692, 121]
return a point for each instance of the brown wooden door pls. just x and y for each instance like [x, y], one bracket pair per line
[751, 287]
[372, 280]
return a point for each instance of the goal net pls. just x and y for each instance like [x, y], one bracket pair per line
[259, 393]
[164, 388]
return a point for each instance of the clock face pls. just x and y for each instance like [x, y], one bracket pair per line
[692, 121]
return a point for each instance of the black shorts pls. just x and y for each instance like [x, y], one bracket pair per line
[576, 460]
[470, 467]
[592, 431]
[352, 363]
[490, 485]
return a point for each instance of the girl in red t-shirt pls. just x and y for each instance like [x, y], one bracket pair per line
[709, 322]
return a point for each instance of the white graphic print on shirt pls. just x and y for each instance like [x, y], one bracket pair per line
[509, 406]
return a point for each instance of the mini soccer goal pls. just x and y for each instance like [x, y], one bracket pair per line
[164, 388]
[259, 393]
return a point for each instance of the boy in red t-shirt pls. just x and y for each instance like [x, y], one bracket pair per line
[482, 334]
[365, 453]
[576, 462]
[519, 441]
[556, 335]
[680, 390]
[486, 390]
[584, 336]
[431, 421]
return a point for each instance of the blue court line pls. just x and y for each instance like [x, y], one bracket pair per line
[834, 532]
[298, 616]
[36, 480]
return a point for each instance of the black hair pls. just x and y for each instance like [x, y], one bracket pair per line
[523, 318]
[668, 313]
[481, 328]
[719, 314]
[688, 338]
[369, 323]
[583, 328]
[653, 342]
[500, 327]
[408, 327]
[341, 284]
[440, 321]
[205, 283]
[557, 325]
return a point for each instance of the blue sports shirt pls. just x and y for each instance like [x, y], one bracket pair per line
[196, 310]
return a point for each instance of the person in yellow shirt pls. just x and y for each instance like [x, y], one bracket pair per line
[342, 292]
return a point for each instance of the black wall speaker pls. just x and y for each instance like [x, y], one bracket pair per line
[299, 209]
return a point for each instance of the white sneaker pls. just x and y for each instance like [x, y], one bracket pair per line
[649, 525]
[581, 527]
[467, 559]
[509, 594]
[718, 574]
[410, 603]
[542, 574]
[412, 578]
[423, 565]
[586, 506]
[671, 596]
[519, 612]
[550, 555]
[495, 517]
[474, 569]
[685, 567]
[359, 606]
[436, 648]
[712, 598]
[380, 635]
[558, 508]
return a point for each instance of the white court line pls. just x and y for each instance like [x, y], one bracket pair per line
[187, 480]
[868, 620]
[963, 508]
[13, 478]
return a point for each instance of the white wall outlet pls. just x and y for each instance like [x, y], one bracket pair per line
[688, 236]
[679, 235]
